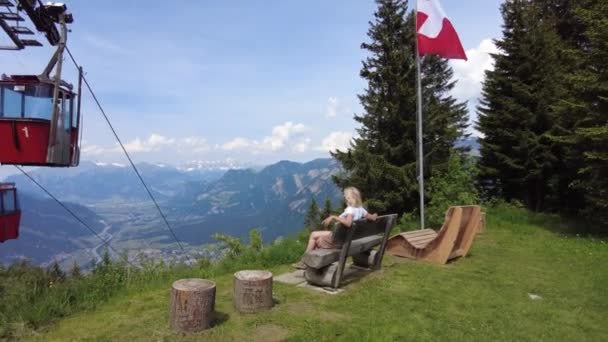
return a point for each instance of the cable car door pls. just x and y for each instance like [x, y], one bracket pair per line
[60, 134]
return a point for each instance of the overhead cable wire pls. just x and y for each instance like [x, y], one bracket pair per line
[164, 218]
[104, 241]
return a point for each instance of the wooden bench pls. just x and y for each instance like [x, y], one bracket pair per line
[453, 240]
[325, 267]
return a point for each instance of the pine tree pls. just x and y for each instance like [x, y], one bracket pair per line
[583, 125]
[562, 16]
[311, 219]
[327, 210]
[382, 160]
[55, 273]
[75, 270]
[516, 115]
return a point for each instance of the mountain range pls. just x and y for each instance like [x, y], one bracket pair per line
[198, 202]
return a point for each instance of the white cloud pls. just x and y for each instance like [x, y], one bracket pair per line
[281, 135]
[154, 143]
[194, 144]
[332, 107]
[92, 150]
[302, 146]
[470, 74]
[238, 144]
[336, 141]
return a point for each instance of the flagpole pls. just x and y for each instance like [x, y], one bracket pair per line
[419, 125]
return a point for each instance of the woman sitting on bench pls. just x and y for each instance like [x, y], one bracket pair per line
[354, 211]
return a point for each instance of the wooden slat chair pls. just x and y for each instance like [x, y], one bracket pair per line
[325, 267]
[469, 228]
[426, 244]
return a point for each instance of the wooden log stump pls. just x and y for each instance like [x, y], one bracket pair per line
[365, 259]
[192, 305]
[325, 276]
[252, 291]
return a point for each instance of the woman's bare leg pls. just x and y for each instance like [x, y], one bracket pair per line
[313, 240]
[311, 243]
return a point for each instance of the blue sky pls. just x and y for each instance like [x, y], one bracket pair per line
[253, 81]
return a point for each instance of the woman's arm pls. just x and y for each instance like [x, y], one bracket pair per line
[345, 221]
[371, 217]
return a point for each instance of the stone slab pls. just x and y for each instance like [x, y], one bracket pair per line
[297, 278]
[326, 290]
[291, 278]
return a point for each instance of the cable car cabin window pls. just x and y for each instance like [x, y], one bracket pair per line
[8, 202]
[34, 101]
[12, 103]
[38, 102]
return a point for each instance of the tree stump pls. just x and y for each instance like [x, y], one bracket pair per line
[252, 291]
[192, 305]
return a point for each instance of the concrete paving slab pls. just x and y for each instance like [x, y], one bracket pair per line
[291, 278]
[326, 290]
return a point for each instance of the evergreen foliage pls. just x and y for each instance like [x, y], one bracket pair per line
[584, 113]
[327, 209]
[515, 114]
[382, 160]
[311, 219]
[544, 112]
[75, 271]
[55, 273]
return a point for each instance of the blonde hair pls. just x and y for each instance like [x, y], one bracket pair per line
[352, 196]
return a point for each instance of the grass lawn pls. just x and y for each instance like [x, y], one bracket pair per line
[482, 297]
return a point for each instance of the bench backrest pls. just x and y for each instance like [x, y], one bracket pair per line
[363, 228]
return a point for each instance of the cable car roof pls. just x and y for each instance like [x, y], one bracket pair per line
[34, 79]
[7, 186]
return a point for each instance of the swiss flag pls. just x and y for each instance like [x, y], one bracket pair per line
[435, 32]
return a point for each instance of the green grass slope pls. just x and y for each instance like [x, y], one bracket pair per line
[484, 296]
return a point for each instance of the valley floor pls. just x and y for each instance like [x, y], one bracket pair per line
[486, 296]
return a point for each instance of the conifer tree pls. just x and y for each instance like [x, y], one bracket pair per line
[327, 210]
[382, 159]
[583, 124]
[516, 114]
[75, 270]
[55, 273]
[311, 219]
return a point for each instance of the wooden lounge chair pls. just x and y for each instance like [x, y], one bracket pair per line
[469, 227]
[453, 240]
[426, 244]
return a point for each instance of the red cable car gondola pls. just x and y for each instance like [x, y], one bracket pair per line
[40, 115]
[10, 214]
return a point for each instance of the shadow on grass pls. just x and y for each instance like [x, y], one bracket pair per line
[354, 274]
[219, 319]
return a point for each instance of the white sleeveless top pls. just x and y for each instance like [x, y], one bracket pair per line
[357, 213]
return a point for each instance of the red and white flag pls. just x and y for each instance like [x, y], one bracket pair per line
[435, 32]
